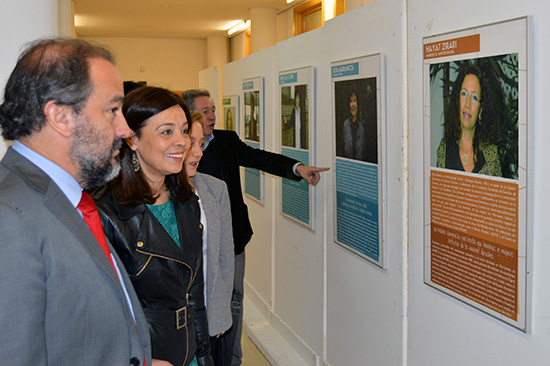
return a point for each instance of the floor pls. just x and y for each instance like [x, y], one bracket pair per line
[251, 354]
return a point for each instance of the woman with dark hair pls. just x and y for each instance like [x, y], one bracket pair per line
[152, 219]
[353, 130]
[471, 124]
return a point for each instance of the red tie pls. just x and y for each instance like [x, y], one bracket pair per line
[91, 216]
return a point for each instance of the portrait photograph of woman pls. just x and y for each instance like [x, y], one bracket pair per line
[474, 115]
[356, 119]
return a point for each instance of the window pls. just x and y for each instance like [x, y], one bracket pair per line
[309, 15]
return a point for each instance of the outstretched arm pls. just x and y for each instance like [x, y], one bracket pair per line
[310, 173]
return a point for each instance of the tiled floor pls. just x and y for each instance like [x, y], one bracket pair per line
[251, 354]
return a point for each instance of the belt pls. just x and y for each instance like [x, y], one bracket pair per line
[172, 317]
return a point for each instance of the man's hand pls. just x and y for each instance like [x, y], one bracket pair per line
[310, 173]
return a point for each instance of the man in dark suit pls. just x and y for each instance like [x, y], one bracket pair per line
[65, 297]
[224, 154]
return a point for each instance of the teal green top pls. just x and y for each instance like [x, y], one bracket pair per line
[166, 215]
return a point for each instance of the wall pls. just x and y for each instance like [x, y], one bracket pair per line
[259, 251]
[331, 306]
[354, 4]
[366, 305]
[167, 62]
[285, 25]
[22, 22]
[238, 46]
[443, 331]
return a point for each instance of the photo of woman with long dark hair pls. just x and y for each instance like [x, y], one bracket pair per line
[356, 121]
[471, 130]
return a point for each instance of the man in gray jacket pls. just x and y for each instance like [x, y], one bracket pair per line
[65, 298]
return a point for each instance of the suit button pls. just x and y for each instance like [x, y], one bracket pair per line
[200, 226]
[140, 244]
[134, 361]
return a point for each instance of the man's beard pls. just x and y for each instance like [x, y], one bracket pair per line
[91, 153]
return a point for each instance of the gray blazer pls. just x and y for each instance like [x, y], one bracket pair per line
[220, 252]
[61, 302]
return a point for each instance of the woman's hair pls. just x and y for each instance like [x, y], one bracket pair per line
[130, 187]
[491, 104]
[196, 117]
[353, 89]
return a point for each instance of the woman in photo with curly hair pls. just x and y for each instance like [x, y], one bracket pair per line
[472, 119]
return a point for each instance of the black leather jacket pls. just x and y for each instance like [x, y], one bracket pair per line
[168, 280]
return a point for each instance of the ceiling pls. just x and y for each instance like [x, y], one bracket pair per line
[164, 18]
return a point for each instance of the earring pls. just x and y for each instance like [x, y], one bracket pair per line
[135, 162]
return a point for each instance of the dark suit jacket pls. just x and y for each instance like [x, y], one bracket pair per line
[303, 128]
[222, 159]
[61, 300]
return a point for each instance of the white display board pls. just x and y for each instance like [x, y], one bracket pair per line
[477, 167]
[359, 125]
[253, 133]
[297, 101]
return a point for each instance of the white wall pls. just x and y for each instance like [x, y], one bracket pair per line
[167, 62]
[443, 331]
[365, 304]
[22, 22]
[332, 306]
[354, 4]
[299, 272]
[259, 250]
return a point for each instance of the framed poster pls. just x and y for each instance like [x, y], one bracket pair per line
[297, 142]
[253, 101]
[231, 113]
[477, 161]
[359, 130]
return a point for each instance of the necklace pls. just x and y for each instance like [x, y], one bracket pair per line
[465, 159]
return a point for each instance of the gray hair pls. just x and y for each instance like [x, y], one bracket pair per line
[190, 95]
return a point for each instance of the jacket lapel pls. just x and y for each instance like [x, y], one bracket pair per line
[56, 201]
[152, 238]
[208, 200]
[60, 206]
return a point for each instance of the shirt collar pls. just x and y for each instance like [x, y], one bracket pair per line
[66, 182]
[208, 139]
